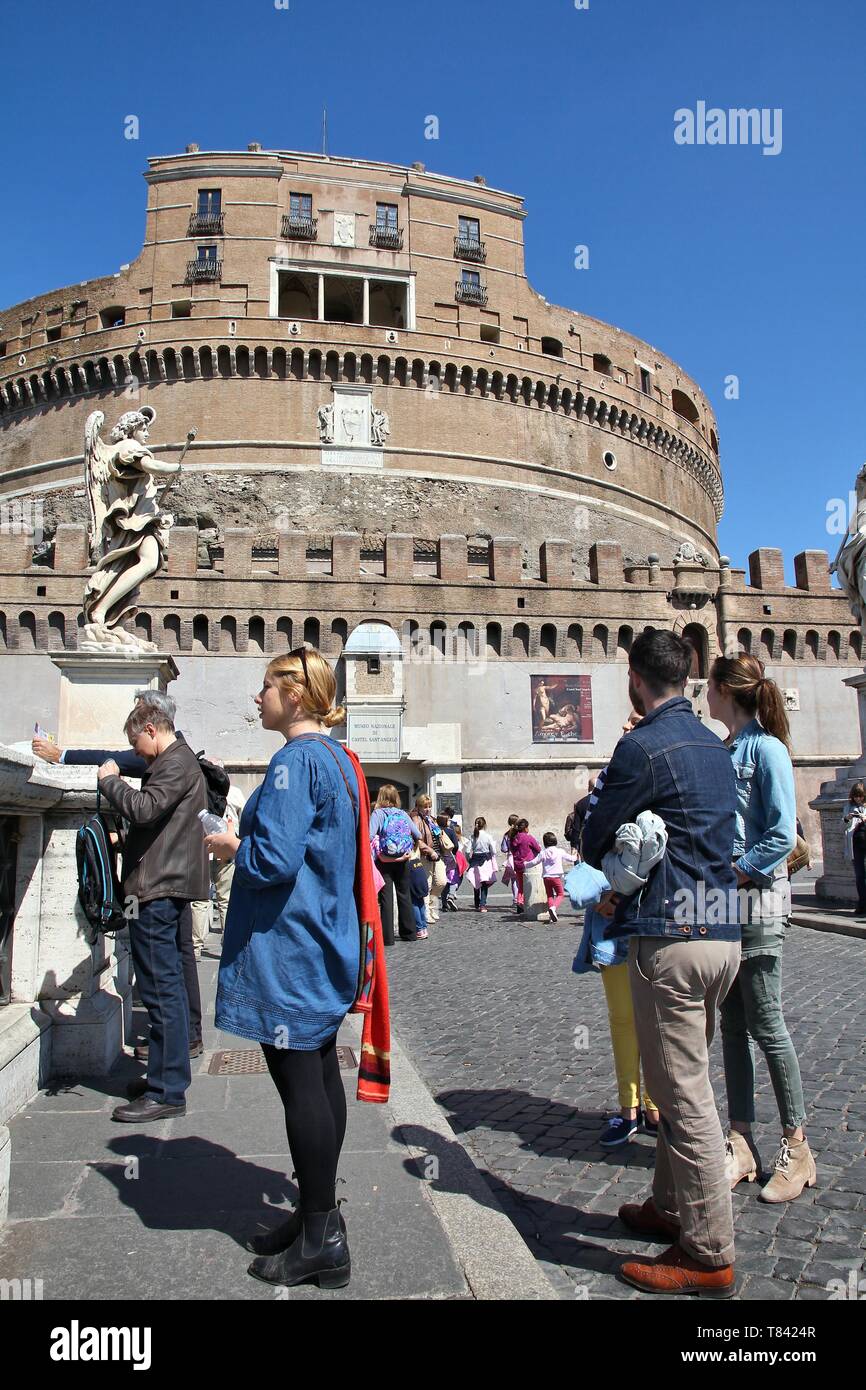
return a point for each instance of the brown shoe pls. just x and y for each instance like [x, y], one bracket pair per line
[677, 1272]
[739, 1159]
[647, 1219]
[793, 1170]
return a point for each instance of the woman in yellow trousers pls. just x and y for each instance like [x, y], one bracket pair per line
[626, 1060]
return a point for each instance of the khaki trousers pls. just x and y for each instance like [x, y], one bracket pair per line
[677, 987]
[200, 923]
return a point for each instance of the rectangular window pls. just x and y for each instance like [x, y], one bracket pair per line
[207, 255]
[52, 335]
[471, 277]
[469, 228]
[386, 216]
[209, 202]
[645, 381]
[300, 206]
[181, 309]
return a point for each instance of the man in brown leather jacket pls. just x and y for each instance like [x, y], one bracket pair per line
[165, 867]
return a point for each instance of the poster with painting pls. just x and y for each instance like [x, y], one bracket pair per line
[561, 709]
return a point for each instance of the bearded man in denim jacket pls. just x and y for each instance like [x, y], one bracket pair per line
[684, 952]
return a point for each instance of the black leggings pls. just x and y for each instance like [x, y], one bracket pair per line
[311, 1090]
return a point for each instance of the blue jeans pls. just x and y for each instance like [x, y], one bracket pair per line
[752, 1009]
[420, 916]
[155, 942]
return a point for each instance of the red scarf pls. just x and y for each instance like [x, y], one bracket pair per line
[374, 1074]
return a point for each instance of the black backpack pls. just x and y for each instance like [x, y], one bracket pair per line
[217, 782]
[98, 887]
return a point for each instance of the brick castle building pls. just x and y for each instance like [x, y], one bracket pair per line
[470, 499]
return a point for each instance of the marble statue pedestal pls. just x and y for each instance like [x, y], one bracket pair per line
[837, 880]
[97, 692]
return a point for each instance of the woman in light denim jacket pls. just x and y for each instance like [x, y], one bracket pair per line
[751, 705]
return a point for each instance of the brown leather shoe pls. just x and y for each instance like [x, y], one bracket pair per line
[677, 1272]
[647, 1219]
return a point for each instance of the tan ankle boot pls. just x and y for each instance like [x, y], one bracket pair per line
[793, 1170]
[739, 1159]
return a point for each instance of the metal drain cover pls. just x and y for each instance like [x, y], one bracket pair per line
[251, 1062]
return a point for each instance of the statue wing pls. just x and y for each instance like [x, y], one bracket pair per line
[97, 475]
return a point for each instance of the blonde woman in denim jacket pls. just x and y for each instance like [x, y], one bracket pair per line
[751, 706]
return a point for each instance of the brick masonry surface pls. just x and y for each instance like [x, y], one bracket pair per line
[488, 1010]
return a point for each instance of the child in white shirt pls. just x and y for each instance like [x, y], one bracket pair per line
[552, 859]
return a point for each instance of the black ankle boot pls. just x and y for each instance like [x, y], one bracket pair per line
[272, 1242]
[284, 1235]
[319, 1252]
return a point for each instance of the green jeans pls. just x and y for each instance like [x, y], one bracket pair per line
[751, 1013]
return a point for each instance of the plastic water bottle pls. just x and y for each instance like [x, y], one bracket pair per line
[211, 824]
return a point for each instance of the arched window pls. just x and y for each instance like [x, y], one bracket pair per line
[520, 641]
[312, 631]
[684, 406]
[4, 641]
[228, 634]
[56, 631]
[834, 646]
[143, 626]
[744, 641]
[438, 637]
[493, 643]
[855, 641]
[256, 638]
[284, 630]
[767, 643]
[171, 632]
[789, 645]
[547, 640]
[696, 635]
[574, 641]
[812, 645]
[465, 645]
[26, 632]
[599, 642]
[200, 638]
[413, 640]
[339, 633]
[624, 639]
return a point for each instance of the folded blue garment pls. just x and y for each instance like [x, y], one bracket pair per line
[585, 885]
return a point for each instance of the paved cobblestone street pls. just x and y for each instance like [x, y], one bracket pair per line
[488, 1010]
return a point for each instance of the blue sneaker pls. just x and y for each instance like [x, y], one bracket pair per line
[619, 1131]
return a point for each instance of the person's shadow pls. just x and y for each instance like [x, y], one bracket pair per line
[190, 1183]
[551, 1230]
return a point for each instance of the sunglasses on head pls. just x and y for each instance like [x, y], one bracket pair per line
[301, 652]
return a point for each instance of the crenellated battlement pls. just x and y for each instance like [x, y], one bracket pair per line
[527, 601]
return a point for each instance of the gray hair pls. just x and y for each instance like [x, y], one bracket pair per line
[160, 701]
[149, 709]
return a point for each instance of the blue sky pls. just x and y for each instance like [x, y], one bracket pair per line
[731, 261]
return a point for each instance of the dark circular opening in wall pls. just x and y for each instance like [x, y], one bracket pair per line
[609, 460]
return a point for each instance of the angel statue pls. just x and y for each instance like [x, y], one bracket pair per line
[128, 535]
[850, 563]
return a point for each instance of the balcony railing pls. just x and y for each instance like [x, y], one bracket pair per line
[300, 228]
[468, 248]
[386, 238]
[203, 270]
[467, 293]
[205, 224]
